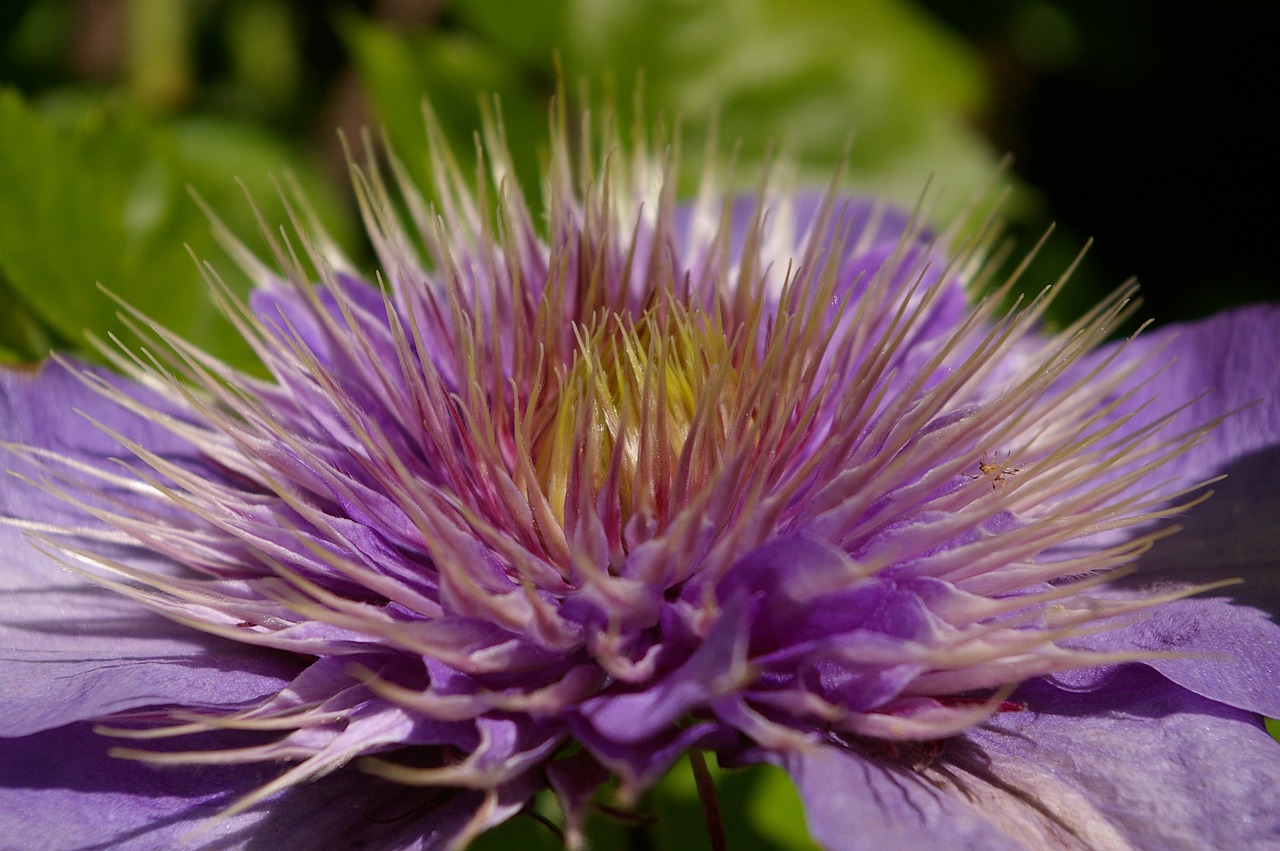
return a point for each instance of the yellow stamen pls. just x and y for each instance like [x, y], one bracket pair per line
[636, 388]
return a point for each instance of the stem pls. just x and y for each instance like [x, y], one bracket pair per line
[545, 822]
[707, 796]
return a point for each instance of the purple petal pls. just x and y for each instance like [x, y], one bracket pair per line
[856, 804]
[1232, 653]
[575, 780]
[639, 766]
[1228, 363]
[1141, 762]
[1232, 535]
[632, 717]
[60, 789]
[70, 650]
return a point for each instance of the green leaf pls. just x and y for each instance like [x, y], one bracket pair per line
[55, 227]
[531, 31]
[807, 75]
[759, 808]
[23, 337]
[106, 200]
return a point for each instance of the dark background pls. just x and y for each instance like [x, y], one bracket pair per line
[1148, 126]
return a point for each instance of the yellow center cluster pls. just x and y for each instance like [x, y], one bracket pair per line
[624, 411]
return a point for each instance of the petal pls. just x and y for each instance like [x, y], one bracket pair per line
[1232, 653]
[1229, 364]
[60, 789]
[1141, 763]
[1232, 535]
[70, 650]
[632, 717]
[73, 654]
[856, 804]
[639, 766]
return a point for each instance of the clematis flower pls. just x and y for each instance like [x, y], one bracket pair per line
[554, 500]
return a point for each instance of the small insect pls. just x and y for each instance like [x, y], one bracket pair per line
[993, 470]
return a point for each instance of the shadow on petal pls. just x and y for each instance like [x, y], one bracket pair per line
[1234, 534]
[1141, 762]
[61, 789]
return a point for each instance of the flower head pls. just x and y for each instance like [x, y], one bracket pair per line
[557, 499]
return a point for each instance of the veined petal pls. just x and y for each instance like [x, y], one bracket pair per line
[856, 804]
[1142, 760]
[1214, 649]
[61, 789]
[1225, 366]
[72, 651]
[1140, 764]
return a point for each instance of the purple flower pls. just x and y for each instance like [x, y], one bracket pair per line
[560, 499]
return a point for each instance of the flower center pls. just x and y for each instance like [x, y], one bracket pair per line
[641, 414]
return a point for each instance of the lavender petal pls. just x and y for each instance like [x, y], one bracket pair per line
[1140, 763]
[1228, 364]
[1226, 653]
[857, 804]
[60, 789]
[70, 650]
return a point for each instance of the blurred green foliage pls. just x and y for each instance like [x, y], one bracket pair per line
[808, 77]
[103, 197]
[760, 810]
